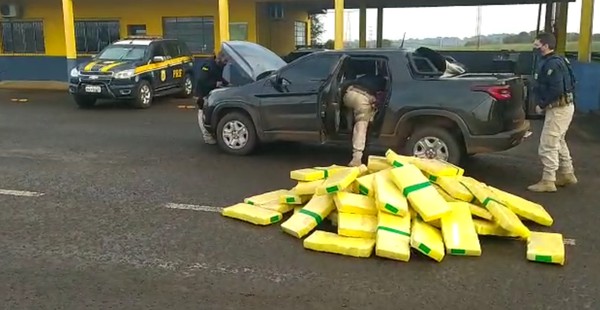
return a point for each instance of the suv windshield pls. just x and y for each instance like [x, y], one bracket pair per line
[123, 52]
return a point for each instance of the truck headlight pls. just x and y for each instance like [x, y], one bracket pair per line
[125, 74]
[74, 72]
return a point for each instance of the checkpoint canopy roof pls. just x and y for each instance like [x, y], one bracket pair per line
[315, 6]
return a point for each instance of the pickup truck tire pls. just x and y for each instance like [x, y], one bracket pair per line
[144, 94]
[434, 142]
[84, 102]
[187, 87]
[236, 134]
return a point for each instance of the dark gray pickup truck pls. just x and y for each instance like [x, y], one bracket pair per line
[428, 109]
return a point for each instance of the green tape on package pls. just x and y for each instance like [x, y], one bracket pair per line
[395, 231]
[313, 215]
[413, 188]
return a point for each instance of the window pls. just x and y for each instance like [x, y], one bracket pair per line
[136, 30]
[91, 36]
[197, 32]
[311, 69]
[300, 33]
[23, 36]
[238, 31]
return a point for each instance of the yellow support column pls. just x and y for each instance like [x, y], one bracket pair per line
[379, 27]
[223, 22]
[561, 27]
[69, 27]
[362, 25]
[309, 38]
[585, 31]
[339, 25]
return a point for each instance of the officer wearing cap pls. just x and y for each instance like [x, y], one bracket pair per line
[553, 91]
[211, 77]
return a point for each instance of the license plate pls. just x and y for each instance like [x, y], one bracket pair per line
[93, 89]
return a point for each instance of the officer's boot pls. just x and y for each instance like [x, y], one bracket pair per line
[565, 179]
[543, 186]
[359, 139]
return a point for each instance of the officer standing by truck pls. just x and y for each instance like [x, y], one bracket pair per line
[211, 77]
[553, 90]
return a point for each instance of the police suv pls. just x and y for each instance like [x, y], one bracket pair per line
[135, 69]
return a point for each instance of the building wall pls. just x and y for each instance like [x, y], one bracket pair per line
[276, 35]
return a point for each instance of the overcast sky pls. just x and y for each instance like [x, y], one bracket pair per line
[453, 21]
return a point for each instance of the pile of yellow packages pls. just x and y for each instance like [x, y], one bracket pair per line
[398, 203]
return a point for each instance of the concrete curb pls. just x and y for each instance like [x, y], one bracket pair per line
[35, 85]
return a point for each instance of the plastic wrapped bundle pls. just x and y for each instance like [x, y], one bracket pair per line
[290, 197]
[377, 163]
[502, 215]
[524, 208]
[252, 214]
[266, 198]
[393, 237]
[458, 231]
[311, 215]
[323, 241]
[396, 160]
[308, 174]
[438, 168]
[453, 187]
[357, 225]
[307, 188]
[388, 197]
[279, 207]
[427, 240]
[546, 248]
[480, 212]
[443, 193]
[354, 203]
[333, 169]
[418, 190]
[339, 181]
[489, 228]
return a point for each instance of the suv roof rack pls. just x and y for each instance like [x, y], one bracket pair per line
[142, 37]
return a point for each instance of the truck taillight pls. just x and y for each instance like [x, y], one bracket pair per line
[497, 92]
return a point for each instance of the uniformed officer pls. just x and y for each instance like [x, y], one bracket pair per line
[360, 95]
[553, 90]
[211, 77]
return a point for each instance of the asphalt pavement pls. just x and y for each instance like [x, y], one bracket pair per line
[85, 222]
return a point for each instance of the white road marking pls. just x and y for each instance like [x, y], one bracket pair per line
[11, 192]
[193, 207]
[569, 241]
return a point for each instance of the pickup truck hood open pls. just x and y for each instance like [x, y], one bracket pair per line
[251, 58]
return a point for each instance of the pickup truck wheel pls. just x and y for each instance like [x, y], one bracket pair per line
[435, 143]
[187, 87]
[236, 134]
[143, 95]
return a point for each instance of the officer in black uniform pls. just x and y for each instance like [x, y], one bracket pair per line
[211, 77]
[553, 90]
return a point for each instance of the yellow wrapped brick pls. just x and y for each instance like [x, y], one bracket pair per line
[443, 193]
[438, 168]
[377, 163]
[545, 247]
[502, 215]
[252, 214]
[266, 198]
[290, 197]
[435, 223]
[458, 231]
[453, 187]
[279, 207]
[480, 212]
[308, 174]
[524, 208]
[396, 160]
[393, 237]
[489, 228]
[323, 241]
[388, 197]
[338, 182]
[427, 240]
[354, 203]
[357, 225]
[423, 197]
[333, 169]
[307, 188]
[311, 215]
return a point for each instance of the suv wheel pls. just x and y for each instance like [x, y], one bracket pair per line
[435, 143]
[143, 95]
[84, 102]
[236, 134]
[187, 87]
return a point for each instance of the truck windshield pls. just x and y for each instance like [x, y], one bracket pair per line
[122, 52]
